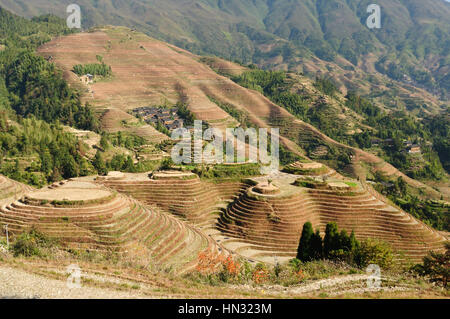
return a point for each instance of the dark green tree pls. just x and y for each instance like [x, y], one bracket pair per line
[104, 142]
[304, 252]
[316, 246]
[331, 239]
[344, 241]
[99, 164]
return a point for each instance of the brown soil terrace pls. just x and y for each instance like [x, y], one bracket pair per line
[262, 226]
[105, 221]
[255, 220]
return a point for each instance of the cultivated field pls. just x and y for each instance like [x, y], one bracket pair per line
[145, 72]
[263, 223]
[83, 215]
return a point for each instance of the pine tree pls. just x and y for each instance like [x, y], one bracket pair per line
[56, 175]
[70, 167]
[354, 244]
[104, 142]
[316, 246]
[304, 247]
[331, 239]
[99, 164]
[344, 241]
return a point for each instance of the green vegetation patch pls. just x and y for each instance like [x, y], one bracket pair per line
[32, 243]
[305, 171]
[310, 183]
[95, 69]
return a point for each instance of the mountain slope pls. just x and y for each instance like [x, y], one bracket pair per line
[145, 72]
[411, 48]
[176, 74]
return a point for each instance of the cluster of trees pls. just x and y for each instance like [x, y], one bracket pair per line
[100, 69]
[265, 82]
[35, 87]
[340, 246]
[326, 86]
[120, 162]
[30, 85]
[239, 115]
[227, 171]
[19, 32]
[397, 71]
[439, 127]
[399, 127]
[432, 213]
[40, 152]
[120, 139]
[334, 244]
[436, 266]
[187, 116]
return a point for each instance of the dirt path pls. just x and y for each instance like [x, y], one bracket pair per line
[17, 283]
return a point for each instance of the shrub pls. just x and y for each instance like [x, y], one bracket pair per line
[372, 251]
[30, 243]
[331, 240]
[95, 69]
[167, 163]
[436, 266]
[318, 269]
[310, 183]
[260, 274]
[217, 268]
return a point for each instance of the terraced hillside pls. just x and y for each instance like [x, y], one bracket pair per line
[147, 71]
[261, 221]
[10, 189]
[181, 193]
[310, 36]
[83, 215]
[270, 222]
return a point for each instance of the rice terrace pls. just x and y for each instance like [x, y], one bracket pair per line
[93, 203]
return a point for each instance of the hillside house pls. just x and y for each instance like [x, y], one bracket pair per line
[389, 142]
[153, 115]
[414, 149]
[376, 142]
[87, 78]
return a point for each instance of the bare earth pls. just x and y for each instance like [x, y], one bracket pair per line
[16, 283]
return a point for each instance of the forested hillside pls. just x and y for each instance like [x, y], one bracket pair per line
[355, 121]
[32, 150]
[35, 101]
[32, 85]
